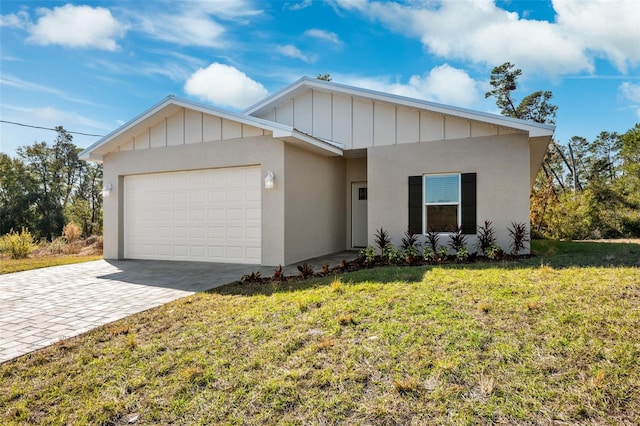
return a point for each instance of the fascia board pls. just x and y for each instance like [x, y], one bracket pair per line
[534, 129]
[90, 154]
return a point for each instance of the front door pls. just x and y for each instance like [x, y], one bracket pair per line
[359, 214]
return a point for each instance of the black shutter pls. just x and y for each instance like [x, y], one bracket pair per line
[468, 196]
[415, 204]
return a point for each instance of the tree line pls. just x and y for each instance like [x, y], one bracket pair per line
[586, 188]
[47, 186]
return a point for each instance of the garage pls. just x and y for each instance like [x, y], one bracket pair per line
[211, 215]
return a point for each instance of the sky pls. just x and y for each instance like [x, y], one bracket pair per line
[91, 66]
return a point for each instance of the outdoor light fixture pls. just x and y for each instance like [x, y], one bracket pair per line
[106, 190]
[268, 180]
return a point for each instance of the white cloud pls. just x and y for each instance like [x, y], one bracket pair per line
[323, 35]
[15, 20]
[77, 27]
[51, 117]
[609, 29]
[629, 91]
[480, 32]
[193, 23]
[443, 84]
[293, 52]
[299, 6]
[225, 86]
[15, 82]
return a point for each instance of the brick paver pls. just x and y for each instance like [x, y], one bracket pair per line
[42, 306]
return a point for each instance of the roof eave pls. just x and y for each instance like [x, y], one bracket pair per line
[90, 153]
[534, 129]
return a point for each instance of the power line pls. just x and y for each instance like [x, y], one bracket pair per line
[48, 128]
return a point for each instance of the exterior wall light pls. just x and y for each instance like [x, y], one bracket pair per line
[106, 190]
[269, 180]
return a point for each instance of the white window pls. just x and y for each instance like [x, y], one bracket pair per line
[442, 202]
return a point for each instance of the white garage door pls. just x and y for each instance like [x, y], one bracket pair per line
[205, 215]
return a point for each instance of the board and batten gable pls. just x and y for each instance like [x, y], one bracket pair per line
[186, 126]
[359, 122]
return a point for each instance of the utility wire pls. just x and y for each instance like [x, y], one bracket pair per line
[48, 128]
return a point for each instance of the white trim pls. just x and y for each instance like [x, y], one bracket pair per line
[534, 129]
[425, 204]
[278, 130]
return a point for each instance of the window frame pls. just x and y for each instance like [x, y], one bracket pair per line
[425, 220]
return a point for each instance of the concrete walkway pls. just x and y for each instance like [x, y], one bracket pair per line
[42, 306]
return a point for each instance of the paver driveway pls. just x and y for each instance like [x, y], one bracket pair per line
[42, 306]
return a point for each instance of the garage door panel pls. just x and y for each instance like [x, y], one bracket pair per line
[206, 215]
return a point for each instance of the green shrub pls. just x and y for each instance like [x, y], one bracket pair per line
[442, 254]
[17, 245]
[368, 254]
[462, 255]
[429, 255]
[392, 255]
[494, 252]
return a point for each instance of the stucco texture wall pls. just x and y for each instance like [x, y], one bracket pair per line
[260, 150]
[501, 164]
[314, 204]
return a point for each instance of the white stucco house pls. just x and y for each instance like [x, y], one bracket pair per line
[313, 169]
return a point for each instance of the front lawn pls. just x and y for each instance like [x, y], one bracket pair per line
[8, 266]
[550, 339]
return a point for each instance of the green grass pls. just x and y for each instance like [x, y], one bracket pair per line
[8, 266]
[551, 339]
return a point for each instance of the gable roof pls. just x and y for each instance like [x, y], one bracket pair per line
[171, 104]
[305, 83]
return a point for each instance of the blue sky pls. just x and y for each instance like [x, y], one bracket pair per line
[92, 66]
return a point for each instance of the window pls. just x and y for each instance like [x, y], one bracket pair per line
[441, 202]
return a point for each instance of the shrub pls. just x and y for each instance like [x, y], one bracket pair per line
[17, 245]
[382, 239]
[428, 255]
[278, 275]
[368, 254]
[432, 240]
[56, 246]
[410, 240]
[411, 255]
[306, 270]
[486, 237]
[392, 255]
[442, 254]
[457, 240]
[71, 232]
[462, 255]
[253, 277]
[518, 234]
[494, 252]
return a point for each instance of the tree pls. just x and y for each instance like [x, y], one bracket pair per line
[325, 77]
[17, 195]
[55, 170]
[85, 208]
[504, 81]
[535, 107]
